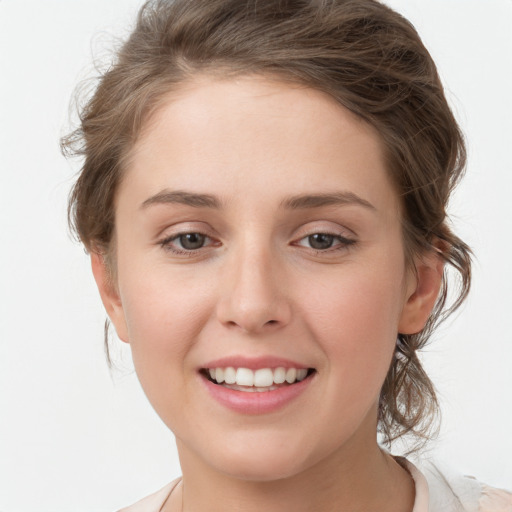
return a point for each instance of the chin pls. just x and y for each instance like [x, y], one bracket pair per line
[261, 461]
[258, 470]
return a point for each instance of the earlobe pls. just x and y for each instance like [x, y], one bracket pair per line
[109, 295]
[422, 295]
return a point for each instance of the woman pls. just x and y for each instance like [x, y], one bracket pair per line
[263, 197]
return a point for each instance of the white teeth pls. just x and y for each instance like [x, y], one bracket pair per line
[219, 375]
[244, 377]
[230, 375]
[263, 378]
[301, 374]
[291, 375]
[279, 375]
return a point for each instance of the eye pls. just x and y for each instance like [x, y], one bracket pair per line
[186, 243]
[320, 241]
[325, 241]
[191, 241]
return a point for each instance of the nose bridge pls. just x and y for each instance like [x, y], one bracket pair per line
[253, 296]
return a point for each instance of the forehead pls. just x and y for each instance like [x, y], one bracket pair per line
[255, 134]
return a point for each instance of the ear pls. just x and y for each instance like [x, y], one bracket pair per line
[423, 290]
[109, 295]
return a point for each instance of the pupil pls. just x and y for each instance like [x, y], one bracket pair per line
[321, 241]
[192, 241]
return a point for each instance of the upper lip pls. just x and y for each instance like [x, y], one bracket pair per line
[254, 363]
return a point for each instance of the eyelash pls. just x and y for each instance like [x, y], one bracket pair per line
[344, 243]
[166, 243]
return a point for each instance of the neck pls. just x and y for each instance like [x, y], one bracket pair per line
[362, 480]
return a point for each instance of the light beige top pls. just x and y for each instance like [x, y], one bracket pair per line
[436, 491]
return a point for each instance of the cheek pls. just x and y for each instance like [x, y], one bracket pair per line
[164, 313]
[357, 303]
[161, 305]
[355, 321]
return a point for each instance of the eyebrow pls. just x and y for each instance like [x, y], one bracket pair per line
[182, 197]
[343, 198]
[299, 202]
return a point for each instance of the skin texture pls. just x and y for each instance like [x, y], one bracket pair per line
[258, 288]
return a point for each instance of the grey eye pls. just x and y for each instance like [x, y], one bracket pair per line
[321, 241]
[192, 241]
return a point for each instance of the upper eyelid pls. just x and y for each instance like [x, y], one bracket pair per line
[341, 232]
[326, 225]
[335, 233]
[303, 231]
[339, 236]
[182, 228]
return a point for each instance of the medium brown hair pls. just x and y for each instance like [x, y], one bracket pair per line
[363, 54]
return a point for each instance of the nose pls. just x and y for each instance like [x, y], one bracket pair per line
[253, 295]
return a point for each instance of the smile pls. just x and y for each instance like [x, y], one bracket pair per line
[261, 380]
[256, 391]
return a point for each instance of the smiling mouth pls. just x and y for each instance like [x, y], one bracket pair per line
[261, 380]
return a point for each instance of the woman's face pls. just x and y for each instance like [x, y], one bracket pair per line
[257, 229]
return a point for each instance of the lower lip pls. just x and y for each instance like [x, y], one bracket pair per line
[258, 402]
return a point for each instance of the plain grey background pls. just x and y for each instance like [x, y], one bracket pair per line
[75, 438]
